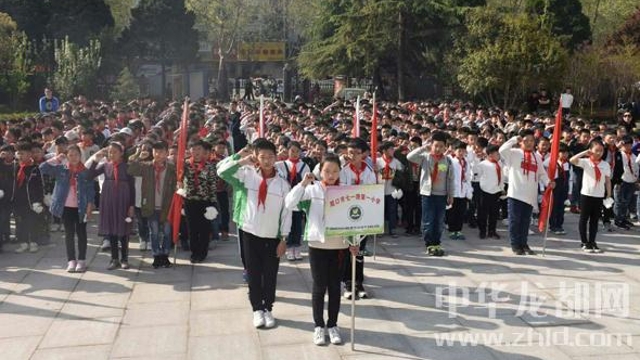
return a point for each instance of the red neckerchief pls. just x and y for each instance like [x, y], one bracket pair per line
[612, 151]
[596, 168]
[158, 169]
[434, 171]
[498, 170]
[197, 169]
[629, 161]
[87, 144]
[22, 176]
[115, 172]
[386, 172]
[357, 171]
[73, 174]
[564, 173]
[262, 189]
[294, 169]
[527, 165]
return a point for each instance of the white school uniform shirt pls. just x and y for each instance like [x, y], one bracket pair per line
[283, 168]
[523, 185]
[630, 174]
[473, 161]
[395, 165]
[589, 185]
[271, 221]
[311, 200]
[488, 177]
[461, 188]
[348, 177]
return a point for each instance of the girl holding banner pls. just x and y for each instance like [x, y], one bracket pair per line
[326, 254]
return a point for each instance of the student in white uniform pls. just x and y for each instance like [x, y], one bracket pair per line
[326, 254]
[596, 184]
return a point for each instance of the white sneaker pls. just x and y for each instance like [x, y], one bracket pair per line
[319, 336]
[54, 228]
[290, 254]
[269, 321]
[296, 253]
[258, 318]
[33, 247]
[106, 245]
[144, 245]
[81, 266]
[334, 335]
[71, 266]
[347, 294]
[24, 247]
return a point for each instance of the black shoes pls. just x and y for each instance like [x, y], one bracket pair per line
[483, 235]
[528, 250]
[517, 251]
[494, 235]
[156, 262]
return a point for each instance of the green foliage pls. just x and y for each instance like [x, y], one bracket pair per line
[126, 87]
[504, 56]
[565, 18]
[79, 20]
[605, 16]
[161, 30]
[15, 63]
[368, 37]
[121, 12]
[76, 68]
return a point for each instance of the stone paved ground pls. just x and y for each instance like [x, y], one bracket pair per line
[202, 312]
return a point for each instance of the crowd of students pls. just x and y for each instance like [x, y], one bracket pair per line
[444, 166]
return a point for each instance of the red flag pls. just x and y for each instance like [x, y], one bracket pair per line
[547, 198]
[175, 211]
[374, 130]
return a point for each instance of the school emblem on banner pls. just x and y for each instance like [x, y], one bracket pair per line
[354, 210]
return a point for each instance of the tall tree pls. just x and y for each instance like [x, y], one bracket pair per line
[367, 38]
[502, 56]
[565, 18]
[14, 60]
[80, 20]
[76, 68]
[160, 31]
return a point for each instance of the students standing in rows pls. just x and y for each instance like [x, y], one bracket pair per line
[263, 192]
[72, 201]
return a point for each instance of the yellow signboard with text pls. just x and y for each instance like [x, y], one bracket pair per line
[261, 51]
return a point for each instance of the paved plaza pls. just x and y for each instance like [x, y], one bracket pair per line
[479, 302]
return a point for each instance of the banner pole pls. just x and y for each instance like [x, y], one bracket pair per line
[375, 240]
[353, 301]
[546, 227]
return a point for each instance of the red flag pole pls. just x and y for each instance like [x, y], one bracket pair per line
[547, 199]
[175, 212]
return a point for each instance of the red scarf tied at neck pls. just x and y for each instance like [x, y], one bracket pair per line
[386, 173]
[22, 176]
[498, 170]
[294, 169]
[434, 171]
[596, 169]
[262, 190]
[528, 165]
[357, 171]
[159, 168]
[116, 172]
[197, 169]
[74, 170]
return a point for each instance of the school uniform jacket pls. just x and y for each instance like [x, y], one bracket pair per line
[423, 158]
[310, 199]
[273, 220]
